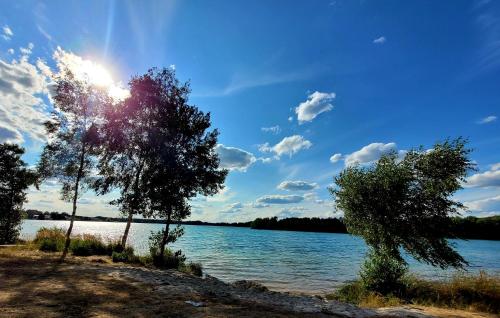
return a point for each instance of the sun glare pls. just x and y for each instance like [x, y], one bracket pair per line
[92, 72]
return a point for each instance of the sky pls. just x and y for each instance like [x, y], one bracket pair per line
[298, 90]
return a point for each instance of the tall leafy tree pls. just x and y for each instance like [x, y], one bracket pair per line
[181, 161]
[124, 157]
[73, 138]
[407, 203]
[15, 178]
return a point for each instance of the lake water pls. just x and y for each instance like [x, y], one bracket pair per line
[281, 260]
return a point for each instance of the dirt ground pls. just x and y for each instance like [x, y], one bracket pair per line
[36, 284]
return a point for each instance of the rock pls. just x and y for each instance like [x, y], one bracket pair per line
[195, 303]
[248, 284]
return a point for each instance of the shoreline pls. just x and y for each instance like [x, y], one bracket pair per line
[36, 278]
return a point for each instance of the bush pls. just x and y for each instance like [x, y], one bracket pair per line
[88, 244]
[195, 269]
[50, 239]
[125, 256]
[170, 259]
[383, 274]
[470, 292]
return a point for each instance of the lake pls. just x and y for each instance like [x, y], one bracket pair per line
[281, 260]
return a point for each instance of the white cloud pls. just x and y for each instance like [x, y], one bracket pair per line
[292, 212]
[256, 205]
[234, 158]
[232, 208]
[290, 118]
[273, 129]
[7, 33]
[297, 186]
[487, 205]
[172, 66]
[490, 178]
[27, 50]
[8, 134]
[223, 195]
[10, 51]
[380, 40]
[488, 119]
[315, 104]
[288, 146]
[280, 199]
[369, 153]
[335, 158]
[22, 110]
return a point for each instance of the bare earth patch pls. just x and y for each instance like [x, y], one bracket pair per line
[35, 284]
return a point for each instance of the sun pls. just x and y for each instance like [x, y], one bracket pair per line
[91, 72]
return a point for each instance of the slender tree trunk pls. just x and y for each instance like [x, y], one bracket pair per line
[127, 228]
[131, 212]
[165, 236]
[75, 198]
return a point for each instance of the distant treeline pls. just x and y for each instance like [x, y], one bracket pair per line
[487, 228]
[330, 225]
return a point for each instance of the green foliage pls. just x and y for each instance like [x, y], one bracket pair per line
[50, 239]
[471, 292]
[195, 269]
[15, 178]
[125, 256]
[87, 244]
[407, 203]
[383, 273]
[167, 259]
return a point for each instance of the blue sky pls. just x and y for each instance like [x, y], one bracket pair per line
[289, 85]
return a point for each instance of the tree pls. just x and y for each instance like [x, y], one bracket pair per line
[181, 161]
[123, 158]
[407, 203]
[15, 178]
[73, 138]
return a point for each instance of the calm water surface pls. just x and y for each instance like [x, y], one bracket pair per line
[281, 260]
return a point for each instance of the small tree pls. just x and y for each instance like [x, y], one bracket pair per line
[181, 159]
[73, 138]
[406, 203]
[15, 178]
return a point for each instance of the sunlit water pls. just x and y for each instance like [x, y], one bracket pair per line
[281, 260]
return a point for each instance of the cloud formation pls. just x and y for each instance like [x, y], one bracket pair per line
[7, 33]
[232, 208]
[335, 158]
[297, 186]
[273, 129]
[490, 178]
[293, 212]
[369, 153]
[380, 40]
[288, 146]
[280, 199]
[489, 205]
[22, 109]
[315, 104]
[487, 120]
[234, 158]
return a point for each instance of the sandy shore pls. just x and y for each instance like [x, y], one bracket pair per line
[36, 284]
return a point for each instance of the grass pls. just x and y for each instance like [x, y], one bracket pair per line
[53, 239]
[479, 292]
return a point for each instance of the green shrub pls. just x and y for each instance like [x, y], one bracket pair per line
[88, 244]
[50, 239]
[383, 274]
[125, 256]
[170, 259]
[195, 269]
